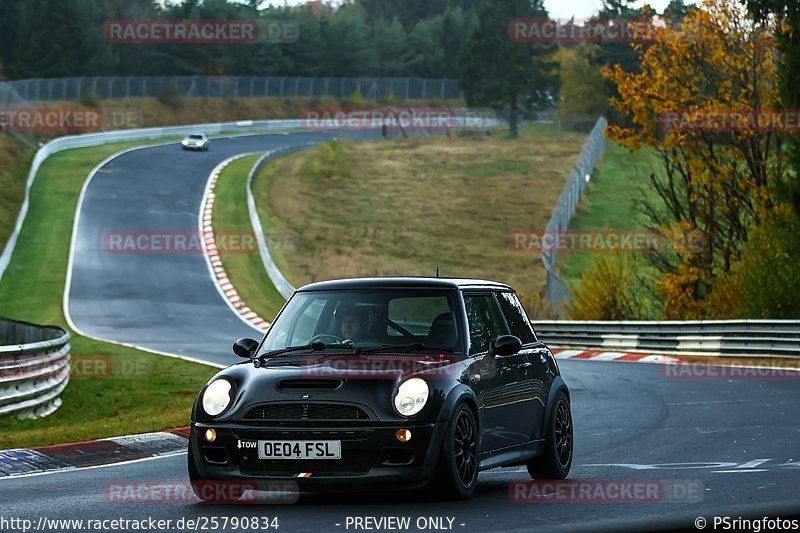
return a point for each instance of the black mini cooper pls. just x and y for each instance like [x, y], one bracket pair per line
[386, 382]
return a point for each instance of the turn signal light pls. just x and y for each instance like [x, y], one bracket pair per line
[403, 435]
[211, 435]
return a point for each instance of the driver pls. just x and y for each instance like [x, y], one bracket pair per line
[351, 325]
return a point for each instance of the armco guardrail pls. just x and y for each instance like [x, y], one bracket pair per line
[284, 287]
[565, 207]
[34, 368]
[744, 338]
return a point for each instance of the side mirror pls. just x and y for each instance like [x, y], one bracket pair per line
[506, 345]
[245, 348]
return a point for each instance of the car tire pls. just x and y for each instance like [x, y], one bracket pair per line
[457, 476]
[206, 490]
[557, 458]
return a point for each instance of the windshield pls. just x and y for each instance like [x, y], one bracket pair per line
[368, 319]
[195, 136]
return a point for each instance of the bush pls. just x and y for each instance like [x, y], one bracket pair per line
[89, 98]
[171, 94]
[391, 100]
[357, 100]
[327, 161]
[606, 291]
[765, 281]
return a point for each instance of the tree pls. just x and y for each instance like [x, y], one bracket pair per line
[59, 39]
[717, 183]
[392, 47]
[583, 96]
[786, 17]
[347, 51]
[497, 72]
[412, 12]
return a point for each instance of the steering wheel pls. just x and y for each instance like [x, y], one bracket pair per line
[318, 338]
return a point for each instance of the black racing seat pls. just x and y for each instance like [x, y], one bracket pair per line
[443, 333]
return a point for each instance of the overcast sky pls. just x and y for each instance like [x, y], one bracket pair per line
[556, 8]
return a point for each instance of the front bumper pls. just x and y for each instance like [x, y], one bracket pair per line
[371, 455]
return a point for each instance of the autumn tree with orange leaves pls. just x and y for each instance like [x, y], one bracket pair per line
[701, 82]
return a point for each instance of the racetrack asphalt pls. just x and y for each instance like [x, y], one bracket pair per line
[161, 301]
[737, 440]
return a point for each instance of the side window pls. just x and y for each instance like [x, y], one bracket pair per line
[485, 322]
[515, 316]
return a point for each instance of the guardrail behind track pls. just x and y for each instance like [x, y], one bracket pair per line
[34, 368]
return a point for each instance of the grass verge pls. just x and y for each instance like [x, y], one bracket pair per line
[15, 160]
[408, 206]
[243, 266]
[155, 392]
[620, 184]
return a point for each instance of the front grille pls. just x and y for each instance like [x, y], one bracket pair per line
[305, 411]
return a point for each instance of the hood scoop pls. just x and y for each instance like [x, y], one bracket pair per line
[292, 385]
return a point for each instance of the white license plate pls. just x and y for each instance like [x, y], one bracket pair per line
[299, 449]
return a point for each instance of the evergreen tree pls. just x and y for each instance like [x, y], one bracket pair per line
[497, 72]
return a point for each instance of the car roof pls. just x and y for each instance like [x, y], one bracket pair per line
[408, 282]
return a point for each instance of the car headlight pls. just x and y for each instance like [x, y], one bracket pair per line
[184, 142]
[217, 396]
[200, 143]
[411, 396]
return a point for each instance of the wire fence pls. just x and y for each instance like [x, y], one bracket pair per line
[9, 98]
[557, 291]
[114, 88]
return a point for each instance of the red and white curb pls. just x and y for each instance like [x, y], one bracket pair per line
[92, 453]
[597, 355]
[790, 368]
[209, 244]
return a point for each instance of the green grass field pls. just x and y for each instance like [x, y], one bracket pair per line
[15, 160]
[618, 186]
[408, 206]
[159, 395]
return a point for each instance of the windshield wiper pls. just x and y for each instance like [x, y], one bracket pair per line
[391, 347]
[314, 346]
